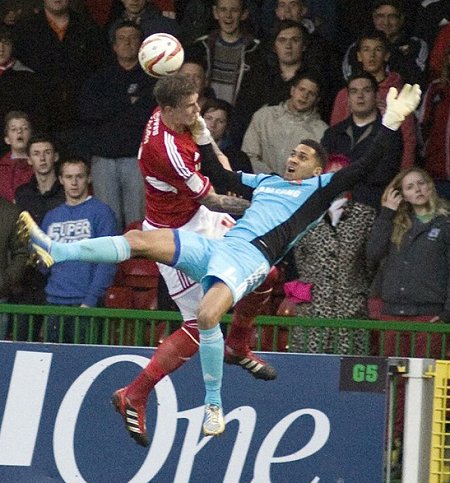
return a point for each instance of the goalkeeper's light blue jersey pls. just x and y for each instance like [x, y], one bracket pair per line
[274, 221]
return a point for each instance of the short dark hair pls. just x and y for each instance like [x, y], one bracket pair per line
[190, 58]
[287, 24]
[244, 4]
[6, 34]
[15, 115]
[41, 138]
[74, 159]
[170, 90]
[373, 34]
[118, 24]
[397, 4]
[217, 104]
[363, 75]
[309, 75]
[321, 152]
[301, 2]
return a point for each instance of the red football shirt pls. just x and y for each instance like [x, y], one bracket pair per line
[170, 164]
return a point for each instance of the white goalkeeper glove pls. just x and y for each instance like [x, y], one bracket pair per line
[200, 132]
[400, 105]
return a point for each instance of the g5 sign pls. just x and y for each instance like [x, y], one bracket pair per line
[28, 387]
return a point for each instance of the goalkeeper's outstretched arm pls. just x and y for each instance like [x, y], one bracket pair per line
[398, 107]
[222, 179]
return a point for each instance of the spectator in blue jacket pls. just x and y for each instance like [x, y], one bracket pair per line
[77, 284]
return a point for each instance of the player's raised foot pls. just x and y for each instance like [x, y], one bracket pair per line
[249, 361]
[133, 416]
[213, 423]
[38, 242]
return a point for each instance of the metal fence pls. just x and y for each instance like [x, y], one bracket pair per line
[291, 334]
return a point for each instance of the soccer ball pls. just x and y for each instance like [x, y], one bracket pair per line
[161, 55]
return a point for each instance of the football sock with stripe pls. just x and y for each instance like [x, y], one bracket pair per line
[211, 357]
[171, 354]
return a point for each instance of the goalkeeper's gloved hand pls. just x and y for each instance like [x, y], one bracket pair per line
[200, 132]
[400, 105]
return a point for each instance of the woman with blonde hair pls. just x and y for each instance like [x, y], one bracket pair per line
[411, 236]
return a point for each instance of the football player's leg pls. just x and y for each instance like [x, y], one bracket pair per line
[237, 344]
[217, 300]
[178, 347]
[158, 245]
[131, 401]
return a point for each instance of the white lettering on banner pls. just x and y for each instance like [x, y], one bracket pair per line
[23, 413]
[265, 456]
[246, 416]
[23, 407]
[165, 429]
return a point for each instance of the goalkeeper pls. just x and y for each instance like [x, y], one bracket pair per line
[281, 212]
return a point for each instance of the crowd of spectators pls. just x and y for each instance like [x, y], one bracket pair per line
[269, 73]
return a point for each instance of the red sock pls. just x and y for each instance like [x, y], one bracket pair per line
[245, 312]
[171, 354]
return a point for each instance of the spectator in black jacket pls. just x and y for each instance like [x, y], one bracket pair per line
[20, 88]
[353, 137]
[408, 55]
[43, 193]
[65, 49]
[411, 240]
[149, 18]
[115, 105]
[235, 62]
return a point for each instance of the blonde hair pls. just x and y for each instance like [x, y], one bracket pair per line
[403, 218]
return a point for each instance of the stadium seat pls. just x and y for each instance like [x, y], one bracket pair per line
[135, 286]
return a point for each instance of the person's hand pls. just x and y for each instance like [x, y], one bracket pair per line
[200, 132]
[287, 308]
[400, 105]
[443, 317]
[336, 210]
[392, 199]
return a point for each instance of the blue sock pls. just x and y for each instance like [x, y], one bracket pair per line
[108, 249]
[211, 357]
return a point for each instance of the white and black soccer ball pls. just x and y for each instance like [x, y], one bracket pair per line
[161, 55]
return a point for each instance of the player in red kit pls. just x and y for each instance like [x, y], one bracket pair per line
[178, 195]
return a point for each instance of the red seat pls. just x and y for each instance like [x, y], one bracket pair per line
[136, 282]
[119, 298]
[139, 273]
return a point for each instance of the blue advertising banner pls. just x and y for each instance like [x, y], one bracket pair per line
[320, 421]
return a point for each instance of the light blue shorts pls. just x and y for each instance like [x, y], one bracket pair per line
[237, 263]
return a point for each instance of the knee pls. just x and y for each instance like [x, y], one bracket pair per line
[208, 317]
[136, 239]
